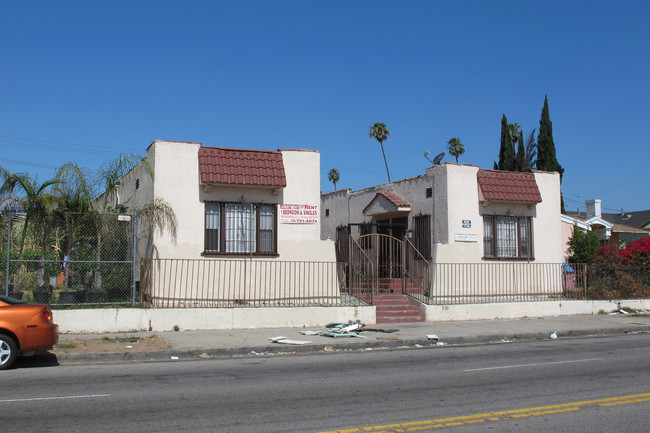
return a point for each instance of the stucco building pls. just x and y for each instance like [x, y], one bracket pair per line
[241, 208]
[457, 214]
[455, 232]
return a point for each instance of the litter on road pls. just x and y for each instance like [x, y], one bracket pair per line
[285, 340]
[354, 329]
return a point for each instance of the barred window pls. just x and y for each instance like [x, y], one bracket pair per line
[422, 234]
[366, 229]
[342, 236]
[240, 228]
[507, 237]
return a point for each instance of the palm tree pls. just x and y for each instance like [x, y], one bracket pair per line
[155, 216]
[37, 202]
[75, 214]
[515, 131]
[456, 148]
[380, 132]
[110, 174]
[159, 216]
[531, 152]
[334, 176]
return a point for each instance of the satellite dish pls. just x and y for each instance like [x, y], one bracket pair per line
[438, 158]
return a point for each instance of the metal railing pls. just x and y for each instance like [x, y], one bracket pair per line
[179, 283]
[360, 274]
[472, 283]
[418, 270]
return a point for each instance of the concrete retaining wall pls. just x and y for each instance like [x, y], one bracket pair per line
[451, 313]
[135, 319]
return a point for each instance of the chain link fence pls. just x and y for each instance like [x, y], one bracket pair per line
[68, 258]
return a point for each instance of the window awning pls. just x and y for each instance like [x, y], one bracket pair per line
[496, 185]
[218, 165]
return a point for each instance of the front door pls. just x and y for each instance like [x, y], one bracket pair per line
[389, 252]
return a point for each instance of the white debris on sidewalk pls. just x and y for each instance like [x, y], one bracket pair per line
[285, 340]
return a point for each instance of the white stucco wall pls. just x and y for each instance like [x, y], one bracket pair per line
[177, 181]
[458, 202]
[549, 244]
[301, 242]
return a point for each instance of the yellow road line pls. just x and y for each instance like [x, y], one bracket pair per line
[637, 400]
[496, 416]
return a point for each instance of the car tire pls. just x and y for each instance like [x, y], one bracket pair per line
[8, 351]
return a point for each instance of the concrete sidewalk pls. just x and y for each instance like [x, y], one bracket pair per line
[255, 342]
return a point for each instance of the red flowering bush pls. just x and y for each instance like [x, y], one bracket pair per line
[637, 251]
[621, 274]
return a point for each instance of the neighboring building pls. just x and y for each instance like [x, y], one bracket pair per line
[456, 214]
[639, 219]
[612, 228]
[246, 207]
[591, 221]
[455, 232]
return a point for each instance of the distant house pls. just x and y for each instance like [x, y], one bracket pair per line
[243, 208]
[639, 219]
[612, 228]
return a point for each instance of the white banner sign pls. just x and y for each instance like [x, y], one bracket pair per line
[298, 214]
[465, 238]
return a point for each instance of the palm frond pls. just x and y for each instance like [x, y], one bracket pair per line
[160, 216]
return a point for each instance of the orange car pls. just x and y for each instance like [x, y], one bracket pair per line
[24, 329]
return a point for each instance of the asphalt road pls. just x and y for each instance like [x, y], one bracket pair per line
[590, 384]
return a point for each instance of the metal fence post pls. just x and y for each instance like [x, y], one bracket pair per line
[134, 231]
[8, 254]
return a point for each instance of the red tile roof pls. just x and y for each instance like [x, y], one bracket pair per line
[394, 198]
[508, 186]
[241, 167]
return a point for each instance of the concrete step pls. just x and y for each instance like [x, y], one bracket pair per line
[399, 319]
[396, 308]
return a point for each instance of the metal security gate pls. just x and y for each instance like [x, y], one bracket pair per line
[380, 263]
[376, 264]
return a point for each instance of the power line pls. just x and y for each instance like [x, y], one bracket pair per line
[70, 147]
[29, 164]
[55, 142]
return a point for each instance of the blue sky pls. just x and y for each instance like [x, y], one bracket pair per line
[85, 81]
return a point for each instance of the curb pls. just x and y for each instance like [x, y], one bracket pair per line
[334, 347]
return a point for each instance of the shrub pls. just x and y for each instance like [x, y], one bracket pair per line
[621, 274]
[583, 246]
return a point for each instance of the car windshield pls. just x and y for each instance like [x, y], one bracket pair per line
[11, 301]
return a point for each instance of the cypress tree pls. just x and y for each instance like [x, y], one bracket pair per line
[546, 158]
[507, 150]
[520, 159]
